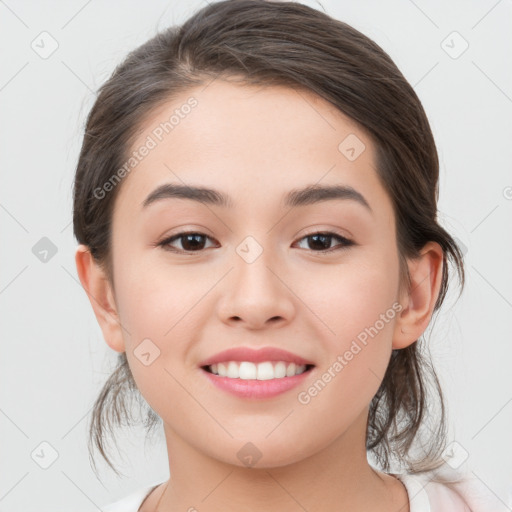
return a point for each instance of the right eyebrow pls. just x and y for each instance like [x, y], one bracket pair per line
[318, 193]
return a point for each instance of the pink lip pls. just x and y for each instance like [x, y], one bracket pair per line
[253, 388]
[255, 356]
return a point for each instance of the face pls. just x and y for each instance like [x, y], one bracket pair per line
[270, 267]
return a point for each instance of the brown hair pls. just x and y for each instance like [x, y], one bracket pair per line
[282, 43]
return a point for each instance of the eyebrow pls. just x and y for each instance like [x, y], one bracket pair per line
[297, 197]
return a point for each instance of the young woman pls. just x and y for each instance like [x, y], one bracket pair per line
[256, 207]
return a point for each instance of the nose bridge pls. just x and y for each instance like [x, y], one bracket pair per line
[255, 293]
[253, 263]
[252, 267]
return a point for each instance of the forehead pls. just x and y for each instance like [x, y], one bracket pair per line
[249, 141]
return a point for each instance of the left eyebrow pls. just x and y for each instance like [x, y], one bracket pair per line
[298, 197]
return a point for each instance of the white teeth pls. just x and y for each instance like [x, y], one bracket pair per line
[221, 370]
[232, 370]
[280, 370]
[265, 371]
[261, 371]
[246, 370]
[290, 371]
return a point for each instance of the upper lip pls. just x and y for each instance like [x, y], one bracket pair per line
[255, 356]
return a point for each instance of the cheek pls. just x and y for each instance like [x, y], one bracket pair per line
[358, 314]
[154, 300]
[158, 312]
[156, 307]
[346, 299]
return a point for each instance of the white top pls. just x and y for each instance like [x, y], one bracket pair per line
[426, 494]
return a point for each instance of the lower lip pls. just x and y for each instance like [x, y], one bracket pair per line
[253, 388]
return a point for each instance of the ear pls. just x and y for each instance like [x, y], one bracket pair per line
[419, 300]
[98, 289]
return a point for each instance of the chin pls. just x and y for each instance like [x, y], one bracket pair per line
[263, 453]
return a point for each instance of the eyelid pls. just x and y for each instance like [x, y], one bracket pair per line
[164, 243]
[346, 242]
[313, 229]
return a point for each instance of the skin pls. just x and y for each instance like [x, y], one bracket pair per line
[256, 144]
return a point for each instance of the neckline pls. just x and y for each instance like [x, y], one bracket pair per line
[148, 493]
[416, 492]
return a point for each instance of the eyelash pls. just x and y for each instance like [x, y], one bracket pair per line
[165, 244]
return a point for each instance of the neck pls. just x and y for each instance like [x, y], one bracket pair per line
[337, 477]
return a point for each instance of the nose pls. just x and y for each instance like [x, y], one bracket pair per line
[256, 294]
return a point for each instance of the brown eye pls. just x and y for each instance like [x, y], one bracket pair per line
[196, 242]
[190, 242]
[321, 242]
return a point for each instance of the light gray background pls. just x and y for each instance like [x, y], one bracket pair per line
[53, 357]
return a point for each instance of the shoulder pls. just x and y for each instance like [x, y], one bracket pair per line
[443, 497]
[426, 495]
[131, 502]
[445, 490]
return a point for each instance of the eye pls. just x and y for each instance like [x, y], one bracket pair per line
[193, 241]
[190, 242]
[321, 242]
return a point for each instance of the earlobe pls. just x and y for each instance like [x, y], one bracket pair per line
[101, 297]
[419, 300]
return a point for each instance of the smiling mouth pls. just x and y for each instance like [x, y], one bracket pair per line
[265, 370]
